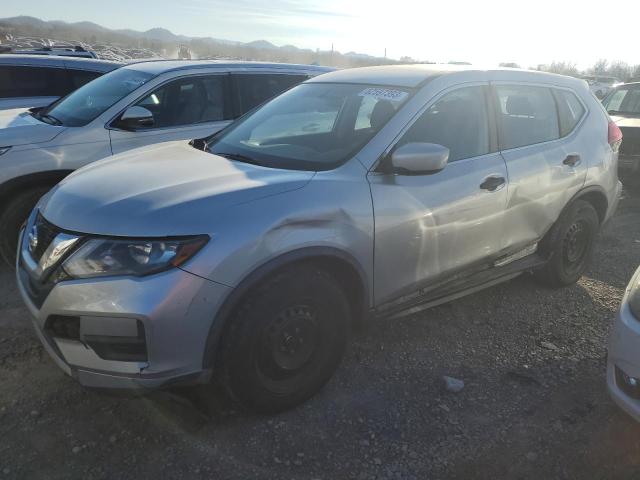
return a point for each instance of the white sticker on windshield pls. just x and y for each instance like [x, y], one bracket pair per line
[384, 94]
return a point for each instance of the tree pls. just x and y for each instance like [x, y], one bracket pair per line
[562, 68]
[600, 67]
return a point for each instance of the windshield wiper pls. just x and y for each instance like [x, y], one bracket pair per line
[239, 157]
[50, 119]
[622, 113]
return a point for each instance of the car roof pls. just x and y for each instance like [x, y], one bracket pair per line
[59, 61]
[413, 76]
[156, 67]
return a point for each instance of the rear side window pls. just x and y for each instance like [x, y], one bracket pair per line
[255, 89]
[22, 81]
[570, 111]
[527, 115]
[457, 121]
[81, 77]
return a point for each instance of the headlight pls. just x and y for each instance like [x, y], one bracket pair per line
[633, 298]
[102, 256]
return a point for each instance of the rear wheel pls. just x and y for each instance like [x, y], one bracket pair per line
[285, 341]
[570, 244]
[13, 216]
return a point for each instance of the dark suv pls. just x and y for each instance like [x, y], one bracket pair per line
[623, 105]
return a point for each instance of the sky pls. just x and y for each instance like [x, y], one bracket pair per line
[484, 32]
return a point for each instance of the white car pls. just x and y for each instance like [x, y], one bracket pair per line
[623, 359]
[134, 106]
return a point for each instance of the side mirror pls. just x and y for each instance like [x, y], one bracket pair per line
[419, 158]
[134, 118]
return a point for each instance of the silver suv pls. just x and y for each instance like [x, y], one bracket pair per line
[137, 105]
[364, 192]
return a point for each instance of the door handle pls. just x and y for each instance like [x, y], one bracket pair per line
[492, 183]
[572, 160]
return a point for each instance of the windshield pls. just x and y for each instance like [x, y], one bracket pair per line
[313, 126]
[90, 101]
[623, 101]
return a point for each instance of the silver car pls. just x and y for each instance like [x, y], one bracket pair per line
[359, 193]
[137, 105]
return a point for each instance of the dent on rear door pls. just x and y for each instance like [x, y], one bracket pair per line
[540, 186]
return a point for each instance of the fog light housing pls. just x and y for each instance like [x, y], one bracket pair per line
[628, 384]
[63, 326]
[119, 348]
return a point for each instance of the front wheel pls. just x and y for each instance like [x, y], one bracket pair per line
[286, 340]
[569, 244]
[13, 216]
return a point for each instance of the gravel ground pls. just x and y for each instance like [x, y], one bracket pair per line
[534, 404]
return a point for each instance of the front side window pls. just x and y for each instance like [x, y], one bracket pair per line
[527, 115]
[255, 89]
[623, 101]
[457, 121]
[187, 101]
[92, 100]
[313, 126]
[32, 82]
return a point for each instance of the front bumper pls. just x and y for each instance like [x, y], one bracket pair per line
[623, 360]
[175, 309]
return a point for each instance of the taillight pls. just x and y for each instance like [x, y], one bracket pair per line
[615, 136]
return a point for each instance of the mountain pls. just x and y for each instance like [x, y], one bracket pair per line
[128, 43]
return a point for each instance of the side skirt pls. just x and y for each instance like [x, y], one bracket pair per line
[458, 287]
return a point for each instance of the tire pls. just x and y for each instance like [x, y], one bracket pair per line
[286, 340]
[570, 245]
[12, 217]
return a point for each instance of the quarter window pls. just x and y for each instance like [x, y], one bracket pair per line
[457, 121]
[527, 115]
[570, 111]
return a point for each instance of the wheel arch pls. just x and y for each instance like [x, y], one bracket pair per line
[594, 195]
[32, 180]
[339, 263]
[597, 197]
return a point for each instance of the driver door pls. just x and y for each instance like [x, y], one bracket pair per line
[429, 228]
[189, 107]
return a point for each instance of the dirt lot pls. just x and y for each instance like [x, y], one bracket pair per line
[527, 411]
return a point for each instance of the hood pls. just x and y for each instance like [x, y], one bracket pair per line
[18, 127]
[164, 190]
[633, 122]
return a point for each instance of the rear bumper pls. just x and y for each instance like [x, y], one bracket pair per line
[629, 163]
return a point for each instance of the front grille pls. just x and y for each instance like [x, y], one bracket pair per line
[46, 233]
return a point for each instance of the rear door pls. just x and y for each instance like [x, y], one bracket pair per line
[185, 108]
[253, 89]
[547, 165]
[431, 227]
